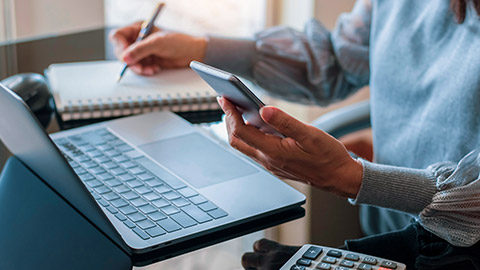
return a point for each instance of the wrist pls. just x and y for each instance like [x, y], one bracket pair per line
[200, 45]
[351, 178]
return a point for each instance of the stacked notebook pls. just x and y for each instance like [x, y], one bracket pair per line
[88, 90]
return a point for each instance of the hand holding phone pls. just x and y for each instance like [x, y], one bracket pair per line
[230, 87]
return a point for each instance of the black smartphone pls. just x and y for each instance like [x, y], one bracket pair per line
[230, 87]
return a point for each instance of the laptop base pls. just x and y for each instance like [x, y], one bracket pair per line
[39, 230]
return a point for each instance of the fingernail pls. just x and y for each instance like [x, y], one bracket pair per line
[220, 100]
[266, 113]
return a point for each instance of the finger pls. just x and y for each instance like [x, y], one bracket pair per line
[284, 123]
[126, 35]
[142, 49]
[264, 245]
[252, 260]
[251, 135]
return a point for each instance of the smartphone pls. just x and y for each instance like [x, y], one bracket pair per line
[230, 87]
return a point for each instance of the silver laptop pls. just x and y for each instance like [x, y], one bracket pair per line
[148, 181]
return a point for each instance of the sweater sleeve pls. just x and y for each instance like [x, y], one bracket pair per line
[314, 66]
[445, 196]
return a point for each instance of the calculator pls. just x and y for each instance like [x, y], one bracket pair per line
[326, 258]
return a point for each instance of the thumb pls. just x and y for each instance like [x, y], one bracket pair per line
[284, 123]
[140, 50]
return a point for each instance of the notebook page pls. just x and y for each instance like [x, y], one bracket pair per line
[95, 82]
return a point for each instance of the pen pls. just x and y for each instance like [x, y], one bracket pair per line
[145, 30]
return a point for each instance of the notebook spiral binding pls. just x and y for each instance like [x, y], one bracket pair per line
[110, 108]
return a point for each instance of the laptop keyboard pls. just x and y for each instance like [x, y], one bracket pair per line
[144, 196]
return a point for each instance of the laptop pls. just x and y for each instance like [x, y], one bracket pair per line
[147, 182]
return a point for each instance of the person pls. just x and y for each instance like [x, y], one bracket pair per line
[421, 61]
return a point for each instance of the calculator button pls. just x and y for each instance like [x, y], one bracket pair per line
[297, 267]
[352, 257]
[312, 253]
[370, 260]
[346, 263]
[334, 253]
[364, 266]
[324, 266]
[328, 259]
[389, 265]
[305, 262]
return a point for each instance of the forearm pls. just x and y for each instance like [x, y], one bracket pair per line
[445, 196]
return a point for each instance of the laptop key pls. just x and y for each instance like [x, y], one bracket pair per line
[134, 183]
[198, 199]
[130, 195]
[137, 170]
[145, 176]
[208, 206]
[120, 158]
[160, 203]
[162, 189]
[126, 177]
[217, 213]
[169, 225]
[105, 147]
[169, 210]
[154, 182]
[105, 176]
[113, 182]
[110, 165]
[196, 213]
[102, 189]
[129, 224]
[94, 183]
[127, 210]
[187, 192]
[128, 164]
[138, 202]
[118, 171]
[97, 170]
[147, 209]
[112, 210]
[172, 195]
[136, 217]
[140, 233]
[151, 196]
[120, 217]
[124, 148]
[119, 203]
[180, 202]
[86, 177]
[110, 196]
[133, 154]
[121, 189]
[90, 164]
[143, 190]
[80, 170]
[102, 159]
[145, 224]
[156, 216]
[103, 202]
[161, 173]
[112, 153]
[183, 219]
[155, 231]
[96, 196]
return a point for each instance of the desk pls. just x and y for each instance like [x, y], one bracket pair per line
[37, 54]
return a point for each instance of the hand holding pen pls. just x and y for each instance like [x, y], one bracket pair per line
[160, 50]
[145, 31]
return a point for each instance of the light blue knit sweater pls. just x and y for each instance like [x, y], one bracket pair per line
[423, 69]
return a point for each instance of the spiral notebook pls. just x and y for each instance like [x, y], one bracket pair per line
[88, 90]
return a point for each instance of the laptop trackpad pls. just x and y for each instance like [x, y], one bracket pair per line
[197, 160]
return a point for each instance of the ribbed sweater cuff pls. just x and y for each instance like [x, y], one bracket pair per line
[233, 55]
[404, 189]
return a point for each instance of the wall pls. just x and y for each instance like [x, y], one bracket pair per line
[44, 17]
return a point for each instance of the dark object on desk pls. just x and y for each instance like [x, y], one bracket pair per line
[33, 89]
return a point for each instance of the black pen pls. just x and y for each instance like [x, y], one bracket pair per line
[146, 29]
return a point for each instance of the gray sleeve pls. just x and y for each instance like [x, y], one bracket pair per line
[312, 67]
[445, 196]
